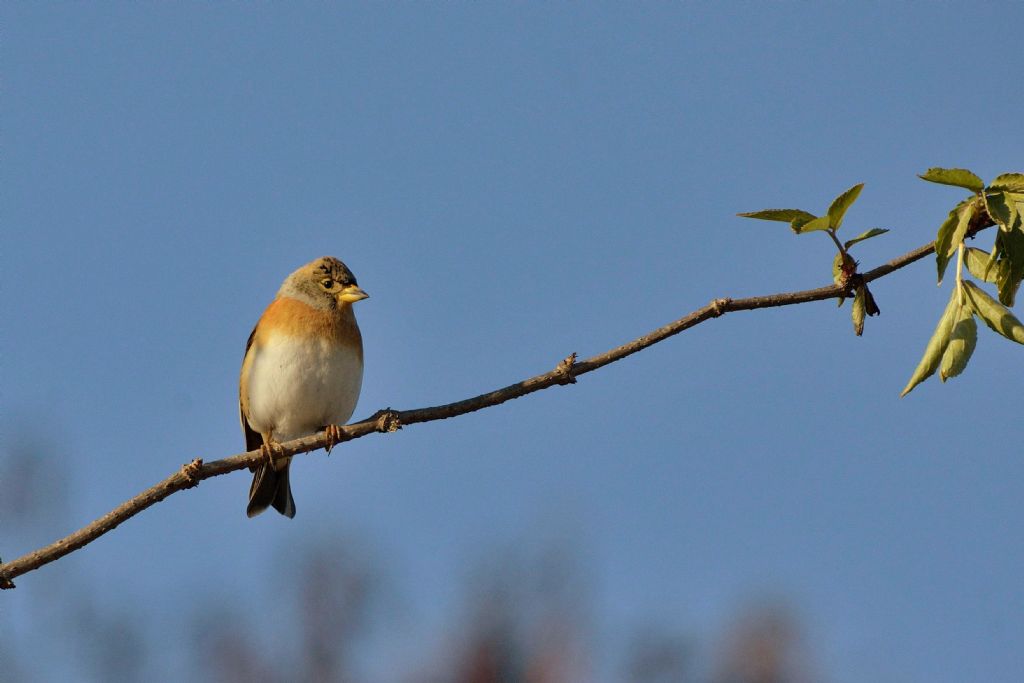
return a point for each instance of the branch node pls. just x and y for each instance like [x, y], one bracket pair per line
[190, 471]
[718, 306]
[566, 369]
[5, 583]
[388, 421]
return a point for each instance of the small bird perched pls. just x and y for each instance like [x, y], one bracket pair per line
[302, 372]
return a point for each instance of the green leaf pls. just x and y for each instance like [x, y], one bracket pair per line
[944, 239]
[821, 223]
[795, 217]
[1010, 246]
[840, 204]
[863, 304]
[994, 314]
[951, 234]
[1001, 208]
[962, 341]
[1018, 207]
[981, 265]
[960, 177]
[1013, 182]
[858, 312]
[1008, 287]
[783, 215]
[873, 232]
[797, 223]
[1014, 208]
[997, 251]
[936, 346]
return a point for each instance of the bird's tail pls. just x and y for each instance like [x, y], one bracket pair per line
[271, 487]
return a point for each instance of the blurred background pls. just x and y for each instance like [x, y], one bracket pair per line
[748, 502]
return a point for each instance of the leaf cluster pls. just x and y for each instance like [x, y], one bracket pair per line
[844, 268]
[1002, 203]
[956, 335]
[951, 345]
[801, 221]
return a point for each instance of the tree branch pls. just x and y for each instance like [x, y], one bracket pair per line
[388, 420]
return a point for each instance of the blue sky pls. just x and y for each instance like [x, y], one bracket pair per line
[511, 183]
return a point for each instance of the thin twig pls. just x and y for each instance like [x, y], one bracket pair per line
[388, 420]
[839, 245]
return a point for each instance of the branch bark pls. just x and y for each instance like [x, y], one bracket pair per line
[389, 420]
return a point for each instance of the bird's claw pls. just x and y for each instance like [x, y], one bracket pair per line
[271, 451]
[334, 437]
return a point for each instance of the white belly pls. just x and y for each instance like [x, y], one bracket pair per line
[298, 386]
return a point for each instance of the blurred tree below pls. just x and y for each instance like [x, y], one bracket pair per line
[525, 617]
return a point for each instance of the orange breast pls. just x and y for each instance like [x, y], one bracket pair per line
[292, 317]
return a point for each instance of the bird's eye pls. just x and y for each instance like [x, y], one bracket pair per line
[327, 284]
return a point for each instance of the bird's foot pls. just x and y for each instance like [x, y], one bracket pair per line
[334, 437]
[271, 451]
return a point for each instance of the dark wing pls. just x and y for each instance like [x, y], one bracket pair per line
[253, 440]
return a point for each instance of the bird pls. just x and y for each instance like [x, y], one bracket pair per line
[301, 373]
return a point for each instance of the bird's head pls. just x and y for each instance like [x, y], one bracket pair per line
[324, 283]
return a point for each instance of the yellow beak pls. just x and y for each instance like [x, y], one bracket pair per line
[352, 294]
